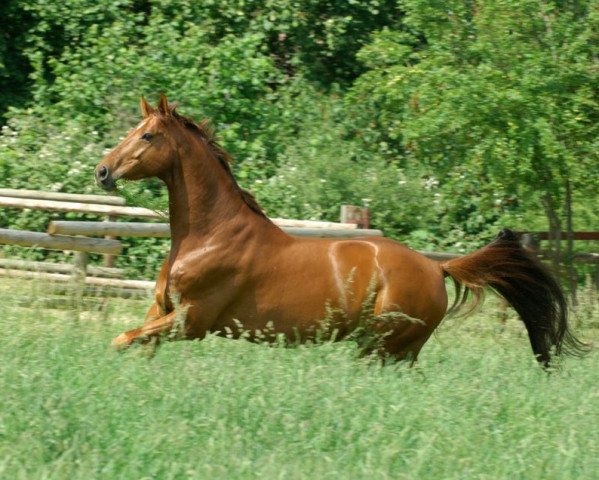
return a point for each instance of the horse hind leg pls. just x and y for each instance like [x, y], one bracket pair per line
[413, 314]
[402, 350]
[394, 335]
[395, 346]
[409, 328]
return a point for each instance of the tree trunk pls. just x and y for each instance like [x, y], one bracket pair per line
[555, 231]
[569, 256]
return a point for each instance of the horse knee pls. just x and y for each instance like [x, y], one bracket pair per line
[154, 313]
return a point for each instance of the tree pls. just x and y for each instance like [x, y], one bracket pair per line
[502, 91]
[243, 64]
[14, 65]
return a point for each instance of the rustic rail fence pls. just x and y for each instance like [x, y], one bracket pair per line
[81, 236]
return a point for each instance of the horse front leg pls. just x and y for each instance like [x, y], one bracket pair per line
[154, 313]
[150, 330]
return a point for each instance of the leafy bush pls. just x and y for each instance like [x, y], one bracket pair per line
[450, 121]
[325, 167]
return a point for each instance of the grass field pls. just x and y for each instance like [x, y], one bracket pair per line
[475, 407]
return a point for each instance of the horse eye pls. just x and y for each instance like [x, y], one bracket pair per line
[147, 136]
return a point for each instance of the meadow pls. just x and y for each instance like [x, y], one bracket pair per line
[476, 405]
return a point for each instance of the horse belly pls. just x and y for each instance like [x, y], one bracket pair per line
[316, 286]
[294, 308]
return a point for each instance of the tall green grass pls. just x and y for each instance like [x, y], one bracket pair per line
[476, 406]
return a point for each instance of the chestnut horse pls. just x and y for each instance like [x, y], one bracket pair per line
[229, 265]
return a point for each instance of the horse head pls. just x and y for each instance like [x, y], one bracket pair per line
[147, 151]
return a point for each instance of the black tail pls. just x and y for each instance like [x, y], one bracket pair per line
[521, 279]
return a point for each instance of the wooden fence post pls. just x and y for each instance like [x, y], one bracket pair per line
[109, 259]
[357, 215]
[80, 266]
[531, 242]
[79, 274]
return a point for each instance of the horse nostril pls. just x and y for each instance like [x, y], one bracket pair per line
[104, 178]
[102, 173]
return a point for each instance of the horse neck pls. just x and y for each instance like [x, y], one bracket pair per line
[203, 197]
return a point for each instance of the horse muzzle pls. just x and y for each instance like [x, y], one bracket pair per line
[104, 178]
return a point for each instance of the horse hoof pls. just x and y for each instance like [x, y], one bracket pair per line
[121, 342]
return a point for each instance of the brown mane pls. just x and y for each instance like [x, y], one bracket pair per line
[206, 132]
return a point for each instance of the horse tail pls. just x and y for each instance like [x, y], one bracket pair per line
[520, 278]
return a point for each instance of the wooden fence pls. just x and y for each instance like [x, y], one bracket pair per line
[80, 236]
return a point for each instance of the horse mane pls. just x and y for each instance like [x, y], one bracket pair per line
[207, 133]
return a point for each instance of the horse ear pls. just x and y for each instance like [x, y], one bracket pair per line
[146, 109]
[163, 105]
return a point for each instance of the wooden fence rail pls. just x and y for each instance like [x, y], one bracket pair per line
[139, 212]
[64, 268]
[586, 257]
[440, 256]
[564, 235]
[62, 197]
[116, 229]
[162, 230]
[78, 207]
[60, 242]
[93, 281]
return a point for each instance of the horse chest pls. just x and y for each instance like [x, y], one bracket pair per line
[202, 268]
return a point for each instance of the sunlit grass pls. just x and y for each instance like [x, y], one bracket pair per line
[475, 406]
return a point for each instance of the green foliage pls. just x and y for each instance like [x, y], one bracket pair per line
[503, 90]
[325, 167]
[14, 67]
[449, 119]
[34, 155]
[477, 405]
